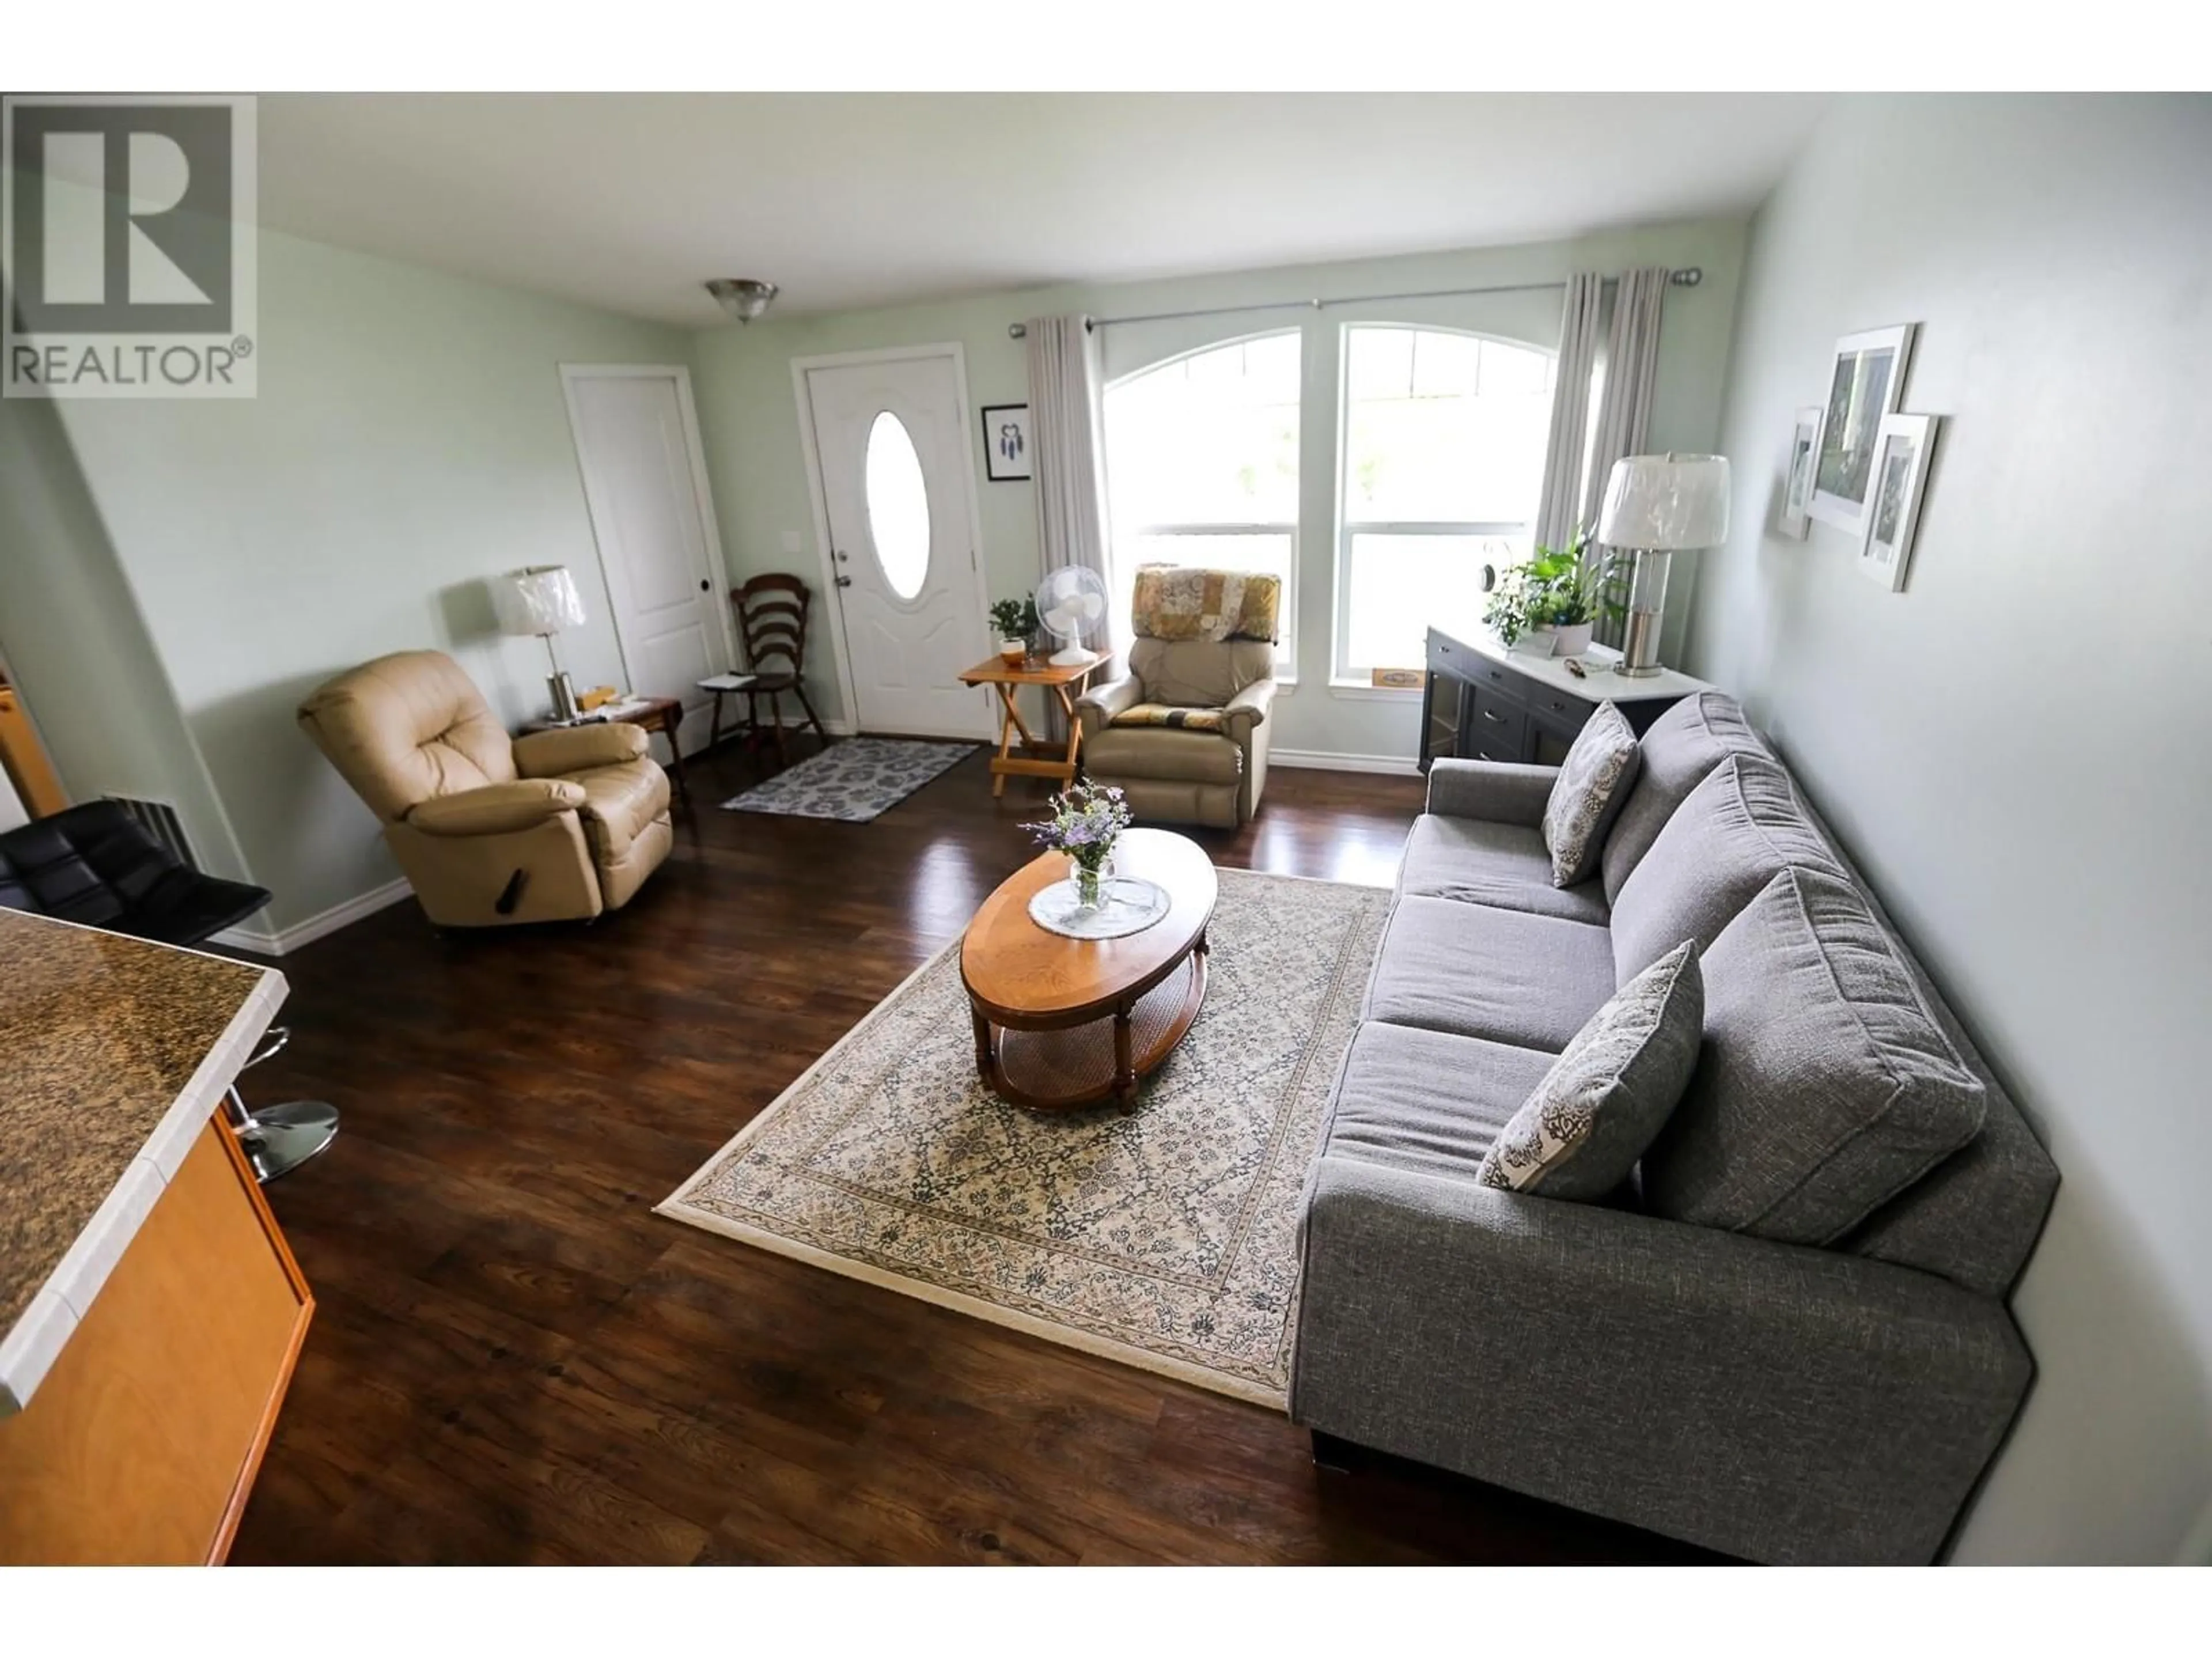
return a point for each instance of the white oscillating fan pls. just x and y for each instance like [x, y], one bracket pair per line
[1070, 601]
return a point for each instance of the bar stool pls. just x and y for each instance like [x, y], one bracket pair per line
[278, 1139]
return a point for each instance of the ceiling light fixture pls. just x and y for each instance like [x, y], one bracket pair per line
[744, 297]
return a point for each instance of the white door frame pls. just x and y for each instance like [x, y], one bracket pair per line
[978, 612]
[720, 573]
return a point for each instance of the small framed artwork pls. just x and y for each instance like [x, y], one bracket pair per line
[1866, 382]
[1006, 443]
[1902, 446]
[1797, 482]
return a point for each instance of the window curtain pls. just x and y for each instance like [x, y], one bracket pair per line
[1632, 365]
[1067, 433]
[1560, 508]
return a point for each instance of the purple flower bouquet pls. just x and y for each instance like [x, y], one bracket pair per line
[1087, 818]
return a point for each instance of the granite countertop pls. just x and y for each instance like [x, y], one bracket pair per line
[114, 1052]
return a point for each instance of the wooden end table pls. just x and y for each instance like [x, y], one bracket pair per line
[1065, 1023]
[1036, 758]
[664, 715]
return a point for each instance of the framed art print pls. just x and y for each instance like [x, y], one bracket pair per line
[1797, 481]
[1866, 381]
[1899, 473]
[1006, 443]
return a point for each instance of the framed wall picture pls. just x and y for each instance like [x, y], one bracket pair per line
[1006, 443]
[1797, 481]
[1902, 446]
[1866, 382]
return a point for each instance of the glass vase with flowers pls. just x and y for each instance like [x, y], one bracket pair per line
[1086, 820]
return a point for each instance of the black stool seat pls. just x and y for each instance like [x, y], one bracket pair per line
[94, 864]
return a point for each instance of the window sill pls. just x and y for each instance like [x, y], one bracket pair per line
[1361, 691]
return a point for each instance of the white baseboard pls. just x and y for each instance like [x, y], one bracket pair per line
[1320, 759]
[264, 943]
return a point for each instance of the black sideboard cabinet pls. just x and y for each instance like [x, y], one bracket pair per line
[1481, 703]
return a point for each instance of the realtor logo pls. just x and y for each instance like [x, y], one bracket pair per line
[127, 247]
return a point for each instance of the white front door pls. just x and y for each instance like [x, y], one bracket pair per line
[891, 440]
[645, 482]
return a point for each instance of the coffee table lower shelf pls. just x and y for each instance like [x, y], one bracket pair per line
[1093, 1056]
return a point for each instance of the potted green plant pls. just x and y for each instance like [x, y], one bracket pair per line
[1547, 606]
[1015, 622]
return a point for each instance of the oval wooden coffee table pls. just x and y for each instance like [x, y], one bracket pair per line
[1063, 1022]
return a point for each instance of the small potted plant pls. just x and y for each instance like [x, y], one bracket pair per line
[1015, 622]
[1086, 820]
[1547, 606]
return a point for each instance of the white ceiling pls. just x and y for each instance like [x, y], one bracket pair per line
[631, 201]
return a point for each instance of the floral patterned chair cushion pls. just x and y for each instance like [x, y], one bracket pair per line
[1599, 771]
[1608, 1096]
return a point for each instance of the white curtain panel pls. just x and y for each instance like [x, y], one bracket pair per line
[1624, 413]
[1066, 431]
[1560, 508]
[1631, 363]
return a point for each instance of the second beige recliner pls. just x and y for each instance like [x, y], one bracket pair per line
[491, 830]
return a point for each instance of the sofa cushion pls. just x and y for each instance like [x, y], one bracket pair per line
[1579, 1134]
[1426, 1100]
[1479, 862]
[1593, 780]
[1505, 976]
[1680, 747]
[1824, 1087]
[1162, 751]
[1738, 829]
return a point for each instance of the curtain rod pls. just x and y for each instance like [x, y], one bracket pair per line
[1689, 277]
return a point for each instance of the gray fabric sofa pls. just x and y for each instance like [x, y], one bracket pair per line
[1789, 1401]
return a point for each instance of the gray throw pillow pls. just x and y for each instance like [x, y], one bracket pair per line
[1606, 1098]
[1826, 1088]
[1599, 771]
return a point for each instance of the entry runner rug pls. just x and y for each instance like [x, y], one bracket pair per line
[854, 780]
[1165, 1238]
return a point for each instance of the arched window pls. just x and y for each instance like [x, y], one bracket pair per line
[1202, 466]
[1443, 460]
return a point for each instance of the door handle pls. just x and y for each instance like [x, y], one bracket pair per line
[844, 558]
[705, 586]
[844, 581]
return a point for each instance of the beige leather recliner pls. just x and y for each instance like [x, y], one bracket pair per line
[1184, 734]
[553, 826]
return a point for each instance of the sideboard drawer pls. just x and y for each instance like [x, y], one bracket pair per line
[1555, 708]
[1499, 724]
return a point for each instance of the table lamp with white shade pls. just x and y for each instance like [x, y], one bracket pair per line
[542, 599]
[1657, 506]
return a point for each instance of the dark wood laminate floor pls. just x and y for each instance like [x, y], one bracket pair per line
[512, 1359]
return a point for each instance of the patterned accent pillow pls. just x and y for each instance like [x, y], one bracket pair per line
[1599, 771]
[1165, 713]
[1185, 601]
[1608, 1096]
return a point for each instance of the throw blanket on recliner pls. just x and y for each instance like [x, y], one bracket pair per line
[1161, 714]
[1178, 601]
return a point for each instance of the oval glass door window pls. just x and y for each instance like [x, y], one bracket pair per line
[898, 505]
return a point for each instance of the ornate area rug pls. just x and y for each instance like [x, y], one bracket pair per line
[853, 781]
[1165, 1238]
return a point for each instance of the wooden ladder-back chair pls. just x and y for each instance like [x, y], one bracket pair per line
[772, 613]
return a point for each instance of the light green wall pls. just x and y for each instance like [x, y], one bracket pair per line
[409, 439]
[2014, 746]
[79, 648]
[749, 409]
